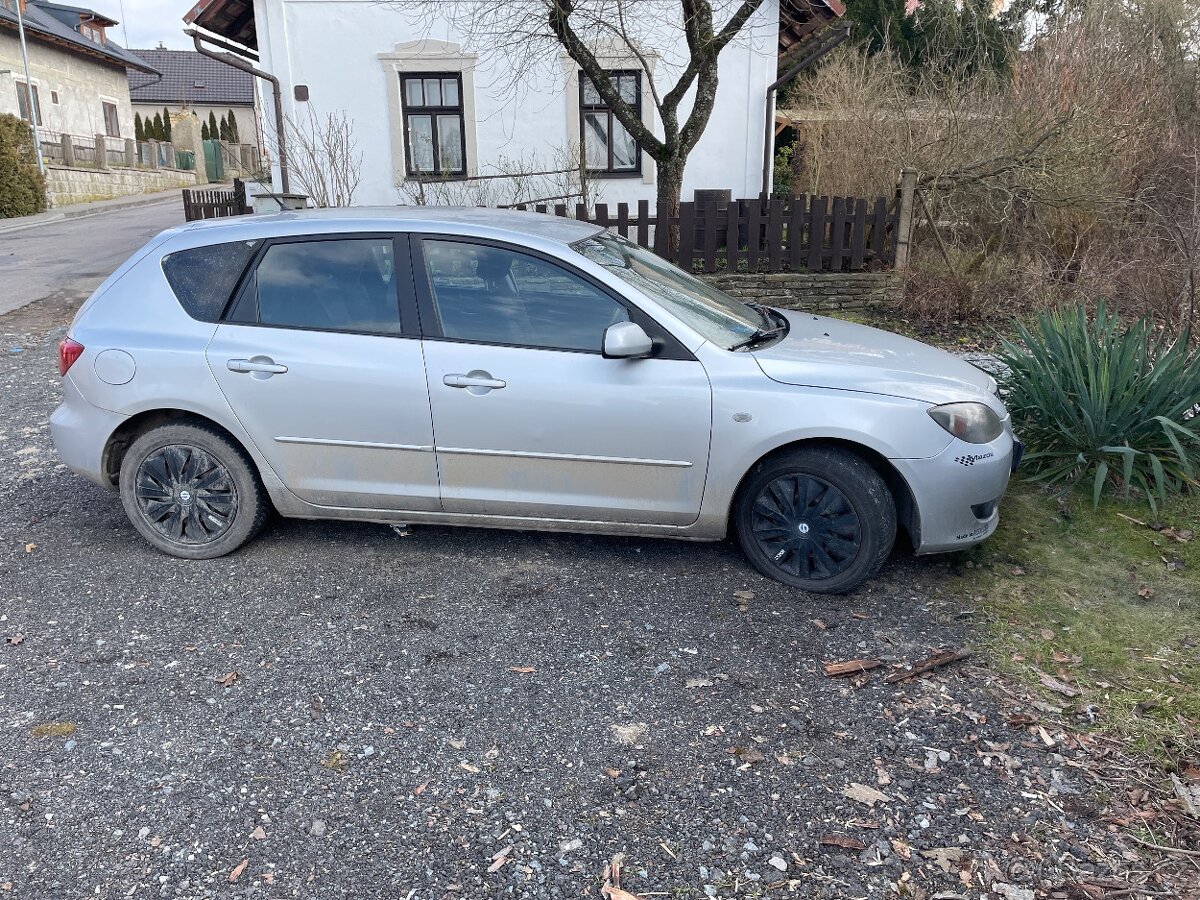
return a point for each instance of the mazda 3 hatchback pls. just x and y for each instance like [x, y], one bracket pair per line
[511, 370]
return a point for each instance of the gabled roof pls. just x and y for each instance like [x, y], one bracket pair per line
[190, 78]
[56, 24]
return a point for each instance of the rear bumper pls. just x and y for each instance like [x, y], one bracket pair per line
[957, 492]
[80, 432]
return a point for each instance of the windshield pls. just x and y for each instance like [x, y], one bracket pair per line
[715, 315]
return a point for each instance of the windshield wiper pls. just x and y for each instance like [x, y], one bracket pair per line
[760, 335]
[763, 334]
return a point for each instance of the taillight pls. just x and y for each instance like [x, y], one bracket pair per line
[68, 352]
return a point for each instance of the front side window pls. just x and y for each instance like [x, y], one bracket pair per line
[710, 312]
[23, 103]
[111, 126]
[433, 124]
[336, 285]
[608, 148]
[492, 295]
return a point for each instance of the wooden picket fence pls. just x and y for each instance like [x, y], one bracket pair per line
[801, 234]
[808, 233]
[203, 203]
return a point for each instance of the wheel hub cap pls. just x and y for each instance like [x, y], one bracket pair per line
[186, 494]
[806, 526]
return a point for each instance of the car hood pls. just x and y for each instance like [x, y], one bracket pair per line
[829, 353]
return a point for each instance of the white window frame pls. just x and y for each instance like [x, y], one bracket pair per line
[409, 57]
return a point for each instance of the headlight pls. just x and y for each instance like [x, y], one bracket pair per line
[974, 423]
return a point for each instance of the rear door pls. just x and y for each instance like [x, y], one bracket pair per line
[320, 360]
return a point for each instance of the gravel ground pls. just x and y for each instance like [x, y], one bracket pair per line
[338, 710]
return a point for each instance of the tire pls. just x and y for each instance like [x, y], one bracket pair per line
[191, 492]
[819, 519]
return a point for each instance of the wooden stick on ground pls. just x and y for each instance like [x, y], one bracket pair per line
[851, 667]
[939, 659]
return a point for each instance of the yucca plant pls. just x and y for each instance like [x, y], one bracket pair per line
[1094, 399]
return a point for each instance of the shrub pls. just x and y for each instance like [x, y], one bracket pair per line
[1095, 399]
[22, 188]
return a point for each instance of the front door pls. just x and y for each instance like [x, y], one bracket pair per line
[330, 387]
[530, 419]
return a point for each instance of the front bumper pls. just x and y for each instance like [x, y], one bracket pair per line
[957, 493]
[80, 432]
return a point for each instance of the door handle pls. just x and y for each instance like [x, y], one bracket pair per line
[259, 364]
[474, 380]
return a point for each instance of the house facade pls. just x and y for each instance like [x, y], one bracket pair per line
[425, 106]
[196, 83]
[77, 70]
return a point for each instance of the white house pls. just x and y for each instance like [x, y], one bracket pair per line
[424, 100]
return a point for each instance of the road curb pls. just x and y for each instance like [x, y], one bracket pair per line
[60, 215]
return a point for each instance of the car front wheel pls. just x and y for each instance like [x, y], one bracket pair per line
[191, 492]
[818, 519]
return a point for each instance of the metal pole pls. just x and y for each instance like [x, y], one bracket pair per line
[33, 110]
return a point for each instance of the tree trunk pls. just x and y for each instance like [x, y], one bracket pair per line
[670, 186]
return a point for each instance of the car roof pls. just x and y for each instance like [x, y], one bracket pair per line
[456, 220]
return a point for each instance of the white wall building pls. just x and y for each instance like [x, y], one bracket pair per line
[425, 101]
[76, 69]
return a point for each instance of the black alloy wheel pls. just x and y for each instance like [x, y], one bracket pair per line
[192, 491]
[806, 526]
[816, 518]
[186, 495]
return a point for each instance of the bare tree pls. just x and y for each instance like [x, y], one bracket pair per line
[526, 32]
[323, 157]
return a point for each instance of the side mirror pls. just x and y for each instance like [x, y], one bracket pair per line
[626, 340]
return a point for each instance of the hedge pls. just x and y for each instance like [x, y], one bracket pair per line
[22, 187]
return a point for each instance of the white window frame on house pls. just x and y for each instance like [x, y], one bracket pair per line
[23, 103]
[615, 59]
[440, 59]
[116, 107]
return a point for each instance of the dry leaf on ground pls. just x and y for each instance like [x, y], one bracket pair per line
[861, 793]
[239, 869]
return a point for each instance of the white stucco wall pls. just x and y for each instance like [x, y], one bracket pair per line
[82, 85]
[334, 47]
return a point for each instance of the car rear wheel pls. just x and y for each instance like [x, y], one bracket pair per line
[817, 519]
[191, 492]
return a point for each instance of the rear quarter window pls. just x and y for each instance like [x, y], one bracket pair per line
[202, 278]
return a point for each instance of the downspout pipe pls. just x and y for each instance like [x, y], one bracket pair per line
[830, 41]
[236, 58]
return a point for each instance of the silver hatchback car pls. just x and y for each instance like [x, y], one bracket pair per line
[512, 370]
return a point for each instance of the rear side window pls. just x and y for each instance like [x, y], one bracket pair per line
[328, 285]
[204, 277]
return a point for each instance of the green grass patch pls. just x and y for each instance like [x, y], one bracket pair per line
[1114, 605]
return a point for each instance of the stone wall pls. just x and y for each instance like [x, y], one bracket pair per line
[65, 186]
[812, 290]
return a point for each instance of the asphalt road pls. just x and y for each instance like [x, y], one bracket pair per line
[73, 256]
[337, 710]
